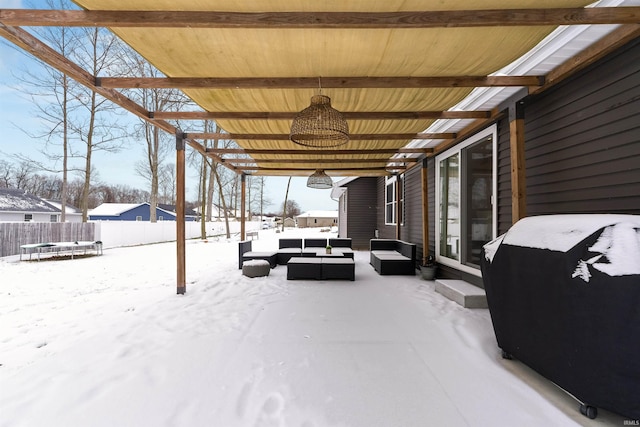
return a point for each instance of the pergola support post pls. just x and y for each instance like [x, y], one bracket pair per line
[243, 195]
[518, 168]
[180, 220]
[398, 208]
[425, 211]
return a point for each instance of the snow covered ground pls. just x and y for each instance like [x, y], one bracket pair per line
[105, 341]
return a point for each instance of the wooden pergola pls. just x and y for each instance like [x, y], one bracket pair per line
[393, 71]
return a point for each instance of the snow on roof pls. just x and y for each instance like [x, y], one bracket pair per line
[13, 200]
[113, 209]
[69, 210]
[319, 214]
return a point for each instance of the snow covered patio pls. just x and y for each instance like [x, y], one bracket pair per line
[105, 341]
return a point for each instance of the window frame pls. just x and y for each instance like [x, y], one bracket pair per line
[491, 131]
[390, 182]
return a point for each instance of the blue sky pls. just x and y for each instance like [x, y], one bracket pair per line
[17, 113]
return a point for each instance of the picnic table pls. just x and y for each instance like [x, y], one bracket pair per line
[57, 247]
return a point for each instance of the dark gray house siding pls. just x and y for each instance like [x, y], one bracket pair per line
[582, 147]
[411, 230]
[362, 207]
[504, 177]
[582, 137]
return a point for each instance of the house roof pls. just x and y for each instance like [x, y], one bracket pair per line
[13, 200]
[338, 187]
[113, 209]
[69, 210]
[319, 214]
[172, 209]
[406, 73]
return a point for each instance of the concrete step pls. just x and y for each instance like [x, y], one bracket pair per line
[464, 293]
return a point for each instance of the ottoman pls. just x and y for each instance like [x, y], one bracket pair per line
[256, 268]
[304, 268]
[338, 268]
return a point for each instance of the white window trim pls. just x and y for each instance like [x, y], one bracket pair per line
[390, 180]
[490, 131]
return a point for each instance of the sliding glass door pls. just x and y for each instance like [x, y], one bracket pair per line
[465, 197]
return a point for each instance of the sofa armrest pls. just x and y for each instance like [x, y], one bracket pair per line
[407, 249]
[243, 247]
[383, 244]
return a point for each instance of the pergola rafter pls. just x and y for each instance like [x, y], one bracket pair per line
[323, 20]
[313, 82]
[289, 115]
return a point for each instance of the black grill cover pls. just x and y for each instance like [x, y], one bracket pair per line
[564, 297]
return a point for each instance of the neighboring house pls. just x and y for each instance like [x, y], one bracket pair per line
[189, 214]
[317, 219]
[131, 212]
[577, 143]
[71, 213]
[289, 222]
[18, 206]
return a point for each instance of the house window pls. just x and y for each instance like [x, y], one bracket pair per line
[160, 218]
[28, 217]
[139, 218]
[466, 212]
[391, 200]
[53, 218]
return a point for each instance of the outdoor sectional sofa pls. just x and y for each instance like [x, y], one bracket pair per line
[390, 256]
[245, 253]
[288, 248]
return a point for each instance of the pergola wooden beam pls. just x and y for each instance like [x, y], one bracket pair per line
[306, 152]
[352, 137]
[289, 115]
[312, 82]
[350, 20]
[320, 161]
[300, 170]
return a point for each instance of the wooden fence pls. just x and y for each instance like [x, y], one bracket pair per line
[14, 234]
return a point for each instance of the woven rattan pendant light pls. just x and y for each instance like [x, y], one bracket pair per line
[320, 180]
[319, 125]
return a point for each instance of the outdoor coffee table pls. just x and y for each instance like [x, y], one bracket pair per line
[321, 268]
[338, 268]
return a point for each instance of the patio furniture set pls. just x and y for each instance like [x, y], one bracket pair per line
[325, 259]
[318, 259]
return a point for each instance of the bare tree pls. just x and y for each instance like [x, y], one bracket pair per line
[284, 205]
[292, 209]
[157, 143]
[98, 131]
[6, 173]
[51, 93]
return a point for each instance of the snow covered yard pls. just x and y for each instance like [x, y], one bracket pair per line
[105, 341]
